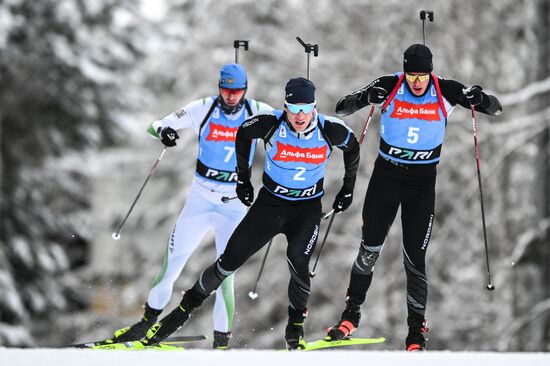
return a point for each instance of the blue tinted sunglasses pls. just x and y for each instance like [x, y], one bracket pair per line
[296, 108]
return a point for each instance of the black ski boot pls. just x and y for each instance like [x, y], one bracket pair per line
[294, 332]
[221, 340]
[173, 321]
[138, 330]
[348, 323]
[416, 340]
[294, 336]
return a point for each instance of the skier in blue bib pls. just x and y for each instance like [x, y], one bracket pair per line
[298, 140]
[415, 105]
[215, 120]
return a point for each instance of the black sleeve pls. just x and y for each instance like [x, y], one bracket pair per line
[358, 99]
[343, 138]
[255, 127]
[452, 90]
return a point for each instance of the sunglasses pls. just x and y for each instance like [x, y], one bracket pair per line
[228, 92]
[297, 108]
[422, 78]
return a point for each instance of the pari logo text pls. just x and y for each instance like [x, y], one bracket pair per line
[289, 153]
[220, 175]
[221, 133]
[428, 112]
[409, 154]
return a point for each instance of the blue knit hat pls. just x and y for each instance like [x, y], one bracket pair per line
[233, 76]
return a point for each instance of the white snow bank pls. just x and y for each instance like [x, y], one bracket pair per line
[44, 357]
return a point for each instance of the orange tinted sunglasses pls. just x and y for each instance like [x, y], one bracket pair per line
[422, 77]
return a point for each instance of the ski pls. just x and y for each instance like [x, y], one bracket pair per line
[112, 341]
[325, 343]
[138, 345]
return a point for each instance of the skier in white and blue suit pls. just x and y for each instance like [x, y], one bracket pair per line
[215, 120]
[298, 141]
[415, 105]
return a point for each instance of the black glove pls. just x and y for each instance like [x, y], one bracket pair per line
[168, 136]
[245, 191]
[473, 95]
[343, 199]
[377, 95]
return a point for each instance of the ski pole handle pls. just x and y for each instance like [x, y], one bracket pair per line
[226, 199]
[116, 235]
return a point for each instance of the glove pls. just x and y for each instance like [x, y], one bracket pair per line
[245, 191]
[343, 199]
[168, 136]
[377, 95]
[473, 95]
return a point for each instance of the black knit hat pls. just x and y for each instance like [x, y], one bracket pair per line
[299, 90]
[417, 58]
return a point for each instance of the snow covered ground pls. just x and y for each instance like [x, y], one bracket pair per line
[34, 357]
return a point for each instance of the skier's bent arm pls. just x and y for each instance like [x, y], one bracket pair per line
[453, 91]
[255, 127]
[189, 116]
[358, 99]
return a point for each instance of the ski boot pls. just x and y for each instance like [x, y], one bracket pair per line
[139, 329]
[221, 340]
[416, 340]
[173, 321]
[348, 323]
[294, 336]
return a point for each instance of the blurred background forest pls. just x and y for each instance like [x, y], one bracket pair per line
[80, 80]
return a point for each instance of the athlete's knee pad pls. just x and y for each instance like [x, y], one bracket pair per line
[368, 254]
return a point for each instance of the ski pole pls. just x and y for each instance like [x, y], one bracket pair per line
[309, 48]
[332, 216]
[226, 199]
[423, 14]
[116, 235]
[366, 125]
[237, 44]
[253, 294]
[490, 286]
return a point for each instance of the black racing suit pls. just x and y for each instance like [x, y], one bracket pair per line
[270, 215]
[411, 186]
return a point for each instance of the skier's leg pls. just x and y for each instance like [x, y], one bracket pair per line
[417, 215]
[302, 231]
[191, 226]
[379, 210]
[258, 226]
[226, 219]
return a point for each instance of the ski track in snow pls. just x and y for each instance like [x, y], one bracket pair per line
[72, 357]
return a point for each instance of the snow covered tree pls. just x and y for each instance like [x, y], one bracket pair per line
[60, 68]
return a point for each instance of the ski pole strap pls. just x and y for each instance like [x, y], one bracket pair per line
[393, 92]
[207, 116]
[439, 95]
[248, 108]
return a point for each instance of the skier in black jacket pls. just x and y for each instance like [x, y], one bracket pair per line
[415, 105]
[298, 141]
